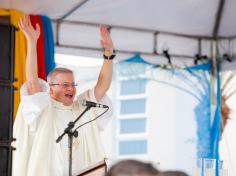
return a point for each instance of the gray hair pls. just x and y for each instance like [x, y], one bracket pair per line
[51, 78]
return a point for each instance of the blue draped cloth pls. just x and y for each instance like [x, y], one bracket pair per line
[208, 129]
[48, 44]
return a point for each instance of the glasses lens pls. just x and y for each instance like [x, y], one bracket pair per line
[67, 85]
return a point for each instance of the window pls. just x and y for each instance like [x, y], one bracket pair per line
[129, 87]
[132, 106]
[132, 120]
[133, 147]
[128, 126]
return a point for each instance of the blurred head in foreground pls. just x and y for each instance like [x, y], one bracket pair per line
[132, 168]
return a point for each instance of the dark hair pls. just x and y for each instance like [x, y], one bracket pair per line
[131, 168]
[173, 173]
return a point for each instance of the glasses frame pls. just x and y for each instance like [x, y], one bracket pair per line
[65, 85]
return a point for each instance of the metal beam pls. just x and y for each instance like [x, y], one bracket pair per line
[59, 21]
[131, 29]
[57, 33]
[218, 19]
[155, 42]
[73, 9]
[200, 46]
[123, 51]
[145, 30]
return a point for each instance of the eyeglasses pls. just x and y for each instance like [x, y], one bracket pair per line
[65, 85]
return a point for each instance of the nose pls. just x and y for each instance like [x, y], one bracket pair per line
[70, 87]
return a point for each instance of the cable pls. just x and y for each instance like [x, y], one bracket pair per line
[92, 119]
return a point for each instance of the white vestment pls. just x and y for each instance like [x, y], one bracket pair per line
[40, 120]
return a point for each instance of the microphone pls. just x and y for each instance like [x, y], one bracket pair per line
[93, 104]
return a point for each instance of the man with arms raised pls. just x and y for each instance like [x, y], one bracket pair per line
[46, 109]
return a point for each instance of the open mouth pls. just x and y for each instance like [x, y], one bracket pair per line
[68, 95]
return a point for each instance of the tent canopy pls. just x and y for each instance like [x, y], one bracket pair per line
[185, 28]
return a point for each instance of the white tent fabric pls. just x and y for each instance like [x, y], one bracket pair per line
[185, 28]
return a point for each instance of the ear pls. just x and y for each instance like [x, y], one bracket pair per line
[51, 92]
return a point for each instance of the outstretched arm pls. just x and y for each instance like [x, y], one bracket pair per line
[105, 75]
[31, 67]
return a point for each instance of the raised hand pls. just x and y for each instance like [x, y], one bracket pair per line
[106, 40]
[31, 66]
[30, 33]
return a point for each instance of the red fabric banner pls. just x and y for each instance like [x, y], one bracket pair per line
[40, 47]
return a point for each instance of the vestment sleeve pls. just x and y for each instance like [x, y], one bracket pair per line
[33, 105]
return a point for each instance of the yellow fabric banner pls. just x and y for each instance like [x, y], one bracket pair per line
[20, 57]
[20, 54]
[4, 12]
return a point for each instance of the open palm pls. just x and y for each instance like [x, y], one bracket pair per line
[28, 30]
[106, 40]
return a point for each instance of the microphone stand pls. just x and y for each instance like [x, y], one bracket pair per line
[69, 131]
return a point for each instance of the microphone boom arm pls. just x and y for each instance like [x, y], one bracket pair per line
[69, 131]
